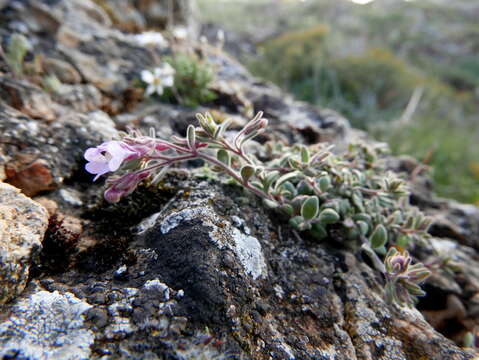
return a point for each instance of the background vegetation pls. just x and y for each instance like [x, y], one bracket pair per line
[406, 71]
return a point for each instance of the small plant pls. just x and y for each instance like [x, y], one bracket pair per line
[192, 81]
[350, 195]
[180, 79]
[403, 278]
[16, 51]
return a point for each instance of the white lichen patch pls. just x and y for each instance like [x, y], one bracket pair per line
[278, 290]
[224, 235]
[248, 250]
[47, 325]
[120, 327]
[157, 285]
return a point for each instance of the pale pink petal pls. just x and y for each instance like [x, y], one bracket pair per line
[92, 154]
[147, 76]
[115, 163]
[118, 149]
[97, 168]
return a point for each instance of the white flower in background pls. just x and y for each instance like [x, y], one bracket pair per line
[151, 38]
[158, 79]
[180, 33]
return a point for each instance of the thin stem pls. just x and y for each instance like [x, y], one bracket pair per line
[168, 162]
[227, 146]
[235, 176]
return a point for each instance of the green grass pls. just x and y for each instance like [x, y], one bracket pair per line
[367, 61]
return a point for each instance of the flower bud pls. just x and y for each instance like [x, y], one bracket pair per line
[124, 186]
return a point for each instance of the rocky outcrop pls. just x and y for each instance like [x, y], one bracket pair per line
[22, 225]
[195, 268]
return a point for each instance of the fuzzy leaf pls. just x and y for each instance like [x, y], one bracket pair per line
[191, 137]
[310, 208]
[324, 183]
[305, 155]
[224, 157]
[285, 178]
[328, 216]
[379, 237]
[247, 172]
[363, 227]
[220, 130]
[296, 221]
[318, 231]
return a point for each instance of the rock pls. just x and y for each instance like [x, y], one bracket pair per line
[37, 156]
[456, 221]
[64, 71]
[236, 271]
[82, 98]
[47, 325]
[124, 15]
[31, 175]
[22, 225]
[28, 99]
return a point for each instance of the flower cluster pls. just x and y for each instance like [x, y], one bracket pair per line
[403, 278]
[349, 194]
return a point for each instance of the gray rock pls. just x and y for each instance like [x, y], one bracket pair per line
[39, 156]
[47, 325]
[23, 223]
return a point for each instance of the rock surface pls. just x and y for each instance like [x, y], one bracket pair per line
[22, 226]
[196, 268]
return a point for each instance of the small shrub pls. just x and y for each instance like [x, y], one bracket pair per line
[192, 81]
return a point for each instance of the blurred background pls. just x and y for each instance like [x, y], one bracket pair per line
[407, 72]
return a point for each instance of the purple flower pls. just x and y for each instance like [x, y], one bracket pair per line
[109, 156]
[124, 185]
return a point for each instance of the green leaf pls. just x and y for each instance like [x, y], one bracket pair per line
[269, 179]
[247, 172]
[295, 164]
[304, 189]
[305, 155]
[289, 188]
[224, 157]
[270, 204]
[403, 241]
[310, 208]
[285, 178]
[220, 130]
[357, 200]
[324, 183]
[296, 221]
[318, 231]
[328, 216]
[288, 209]
[363, 227]
[379, 237]
[191, 137]
[363, 217]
